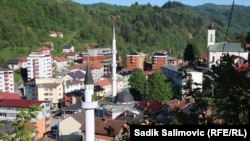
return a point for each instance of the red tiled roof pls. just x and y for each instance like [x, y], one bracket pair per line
[103, 83]
[203, 55]
[19, 103]
[71, 53]
[176, 103]
[150, 106]
[93, 64]
[23, 59]
[7, 95]
[102, 123]
[60, 58]
[241, 67]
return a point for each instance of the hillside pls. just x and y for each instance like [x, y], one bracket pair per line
[25, 25]
[220, 13]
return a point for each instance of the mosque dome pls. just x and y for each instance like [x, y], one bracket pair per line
[124, 97]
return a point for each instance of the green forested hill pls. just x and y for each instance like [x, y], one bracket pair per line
[25, 24]
[240, 22]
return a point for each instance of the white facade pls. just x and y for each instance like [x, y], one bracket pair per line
[72, 85]
[171, 71]
[6, 80]
[10, 112]
[211, 35]
[216, 51]
[39, 66]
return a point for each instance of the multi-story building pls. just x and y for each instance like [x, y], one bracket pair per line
[50, 89]
[39, 63]
[135, 60]
[9, 108]
[104, 55]
[173, 72]
[158, 60]
[6, 80]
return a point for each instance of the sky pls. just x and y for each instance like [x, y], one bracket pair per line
[161, 2]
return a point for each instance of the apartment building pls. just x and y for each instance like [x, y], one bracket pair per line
[9, 108]
[39, 63]
[50, 89]
[158, 60]
[104, 55]
[172, 72]
[6, 80]
[135, 60]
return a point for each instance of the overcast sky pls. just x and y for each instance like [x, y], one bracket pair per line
[161, 2]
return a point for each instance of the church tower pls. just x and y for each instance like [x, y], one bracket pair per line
[211, 35]
[89, 104]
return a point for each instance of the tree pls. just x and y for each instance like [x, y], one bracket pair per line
[232, 97]
[159, 87]
[22, 126]
[189, 53]
[138, 84]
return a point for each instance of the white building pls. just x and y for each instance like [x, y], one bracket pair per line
[172, 72]
[216, 51]
[39, 65]
[6, 80]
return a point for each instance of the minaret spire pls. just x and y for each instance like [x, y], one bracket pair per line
[89, 104]
[114, 65]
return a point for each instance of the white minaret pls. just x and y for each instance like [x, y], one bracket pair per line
[89, 104]
[114, 65]
[211, 35]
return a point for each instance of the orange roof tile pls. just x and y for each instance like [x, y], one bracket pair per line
[151, 106]
[176, 103]
[103, 83]
[71, 53]
[7, 95]
[60, 58]
[23, 59]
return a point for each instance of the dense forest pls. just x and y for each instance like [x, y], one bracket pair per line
[25, 25]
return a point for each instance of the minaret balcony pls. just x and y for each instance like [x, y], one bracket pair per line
[90, 105]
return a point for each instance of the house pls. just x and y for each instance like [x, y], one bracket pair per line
[106, 129]
[174, 60]
[71, 56]
[125, 76]
[168, 113]
[75, 75]
[52, 34]
[69, 127]
[97, 69]
[9, 109]
[73, 85]
[73, 97]
[106, 84]
[68, 48]
[23, 62]
[59, 34]
[60, 62]
[150, 106]
[13, 64]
